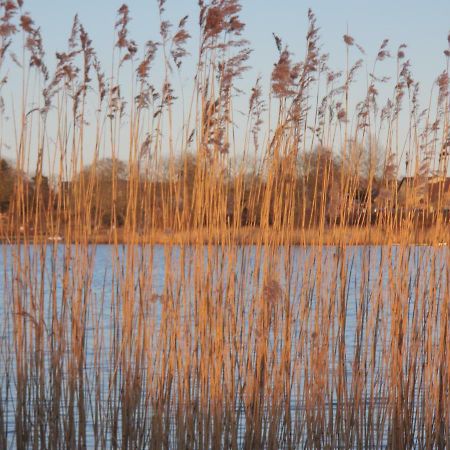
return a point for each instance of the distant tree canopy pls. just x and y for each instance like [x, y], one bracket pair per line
[108, 180]
[7, 180]
[112, 190]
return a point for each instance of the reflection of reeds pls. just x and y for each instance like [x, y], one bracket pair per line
[263, 346]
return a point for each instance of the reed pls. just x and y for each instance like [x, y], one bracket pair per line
[260, 291]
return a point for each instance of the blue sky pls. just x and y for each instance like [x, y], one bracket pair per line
[422, 25]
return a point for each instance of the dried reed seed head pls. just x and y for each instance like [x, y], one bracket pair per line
[35, 46]
[146, 146]
[100, 79]
[121, 26]
[235, 25]
[256, 94]
[178, 42]
[220, 16]
[181, 36]
[161, 4]
[372, 90]
[382, 54]
[312, 39]
[360, 48]
[341, 115]
[405, 75]
[400, 51]
[164, 29]
[332, 76]
[86, 43]
[232, 68]
[443, 80]
[9, 8]
[435, 125]
[167, 96]
[256, 108]
[74, 33]
[123, 10]
[182, 23]
[9, 5]
[144, 67]
[26, 23]
[201, 16]
[278, 42]
[132, 48]
[272, 291]
[284, 75]
[348, 39]
[214, 21]
[7, 29]
[352, 73]
[443, 84]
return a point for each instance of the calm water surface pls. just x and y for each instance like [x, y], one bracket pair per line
[298, 273]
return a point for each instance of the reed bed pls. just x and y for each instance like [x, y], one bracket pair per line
[288, 303]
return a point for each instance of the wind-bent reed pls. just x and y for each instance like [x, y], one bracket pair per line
[229, 335]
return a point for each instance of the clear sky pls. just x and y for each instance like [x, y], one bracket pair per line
[422, 25]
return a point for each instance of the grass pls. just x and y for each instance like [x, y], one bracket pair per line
[330, 330]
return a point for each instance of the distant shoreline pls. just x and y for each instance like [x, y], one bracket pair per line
[252, 236]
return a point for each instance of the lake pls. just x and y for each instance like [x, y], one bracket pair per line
[224, 346]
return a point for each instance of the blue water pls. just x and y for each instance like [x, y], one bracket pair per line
[345, 284]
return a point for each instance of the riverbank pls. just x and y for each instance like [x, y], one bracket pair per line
[250, 236]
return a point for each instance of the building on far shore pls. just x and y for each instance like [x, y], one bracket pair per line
[423, 194]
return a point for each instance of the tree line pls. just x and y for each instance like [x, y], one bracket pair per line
[321, 186]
